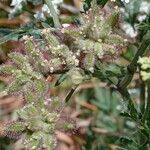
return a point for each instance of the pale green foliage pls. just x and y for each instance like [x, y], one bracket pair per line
[76, 53]
[41, 118]
[145, 68]
[41, 115]
[95, 38]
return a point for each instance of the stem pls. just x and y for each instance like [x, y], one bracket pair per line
[131, 69]
[70, 94]
[53, 13]
[142, 97]
[146, 115]
[142, 141]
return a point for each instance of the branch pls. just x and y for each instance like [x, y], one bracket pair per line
[131, 69]
[53, 13]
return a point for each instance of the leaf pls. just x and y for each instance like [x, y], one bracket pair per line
[62, 78]
[130, 52]
[102, 2]
[8, 37]
[5, 31]
[45, 25]
[132, 110]
[126, 140]
[113, 70]
[102, 99]
[125, 114]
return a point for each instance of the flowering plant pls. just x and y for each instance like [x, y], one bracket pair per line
[79, 53]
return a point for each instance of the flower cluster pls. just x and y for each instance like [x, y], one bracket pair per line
[94, 39]
[74, 50]
[42, 115]
[145, 68]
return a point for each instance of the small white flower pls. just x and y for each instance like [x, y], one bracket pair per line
[91, 69]
[145, 7]
[65, 25]
[129, 30]
[51, 69]
[141, 18]
[33, 147]
[126, 1]
[76, 62]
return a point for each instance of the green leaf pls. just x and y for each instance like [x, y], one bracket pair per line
[130, 52]
[114, 70]
[45, 25]
[8, 37]
[102, 99]
[125, 114]
[62, 78]
[102, 2]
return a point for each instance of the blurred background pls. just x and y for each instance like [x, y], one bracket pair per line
[95, 105]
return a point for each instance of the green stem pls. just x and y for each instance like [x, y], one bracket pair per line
[53, 13]
[146, 115]
[142, 97]
[131, 69]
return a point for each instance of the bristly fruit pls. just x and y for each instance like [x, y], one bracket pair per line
[76, 53]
